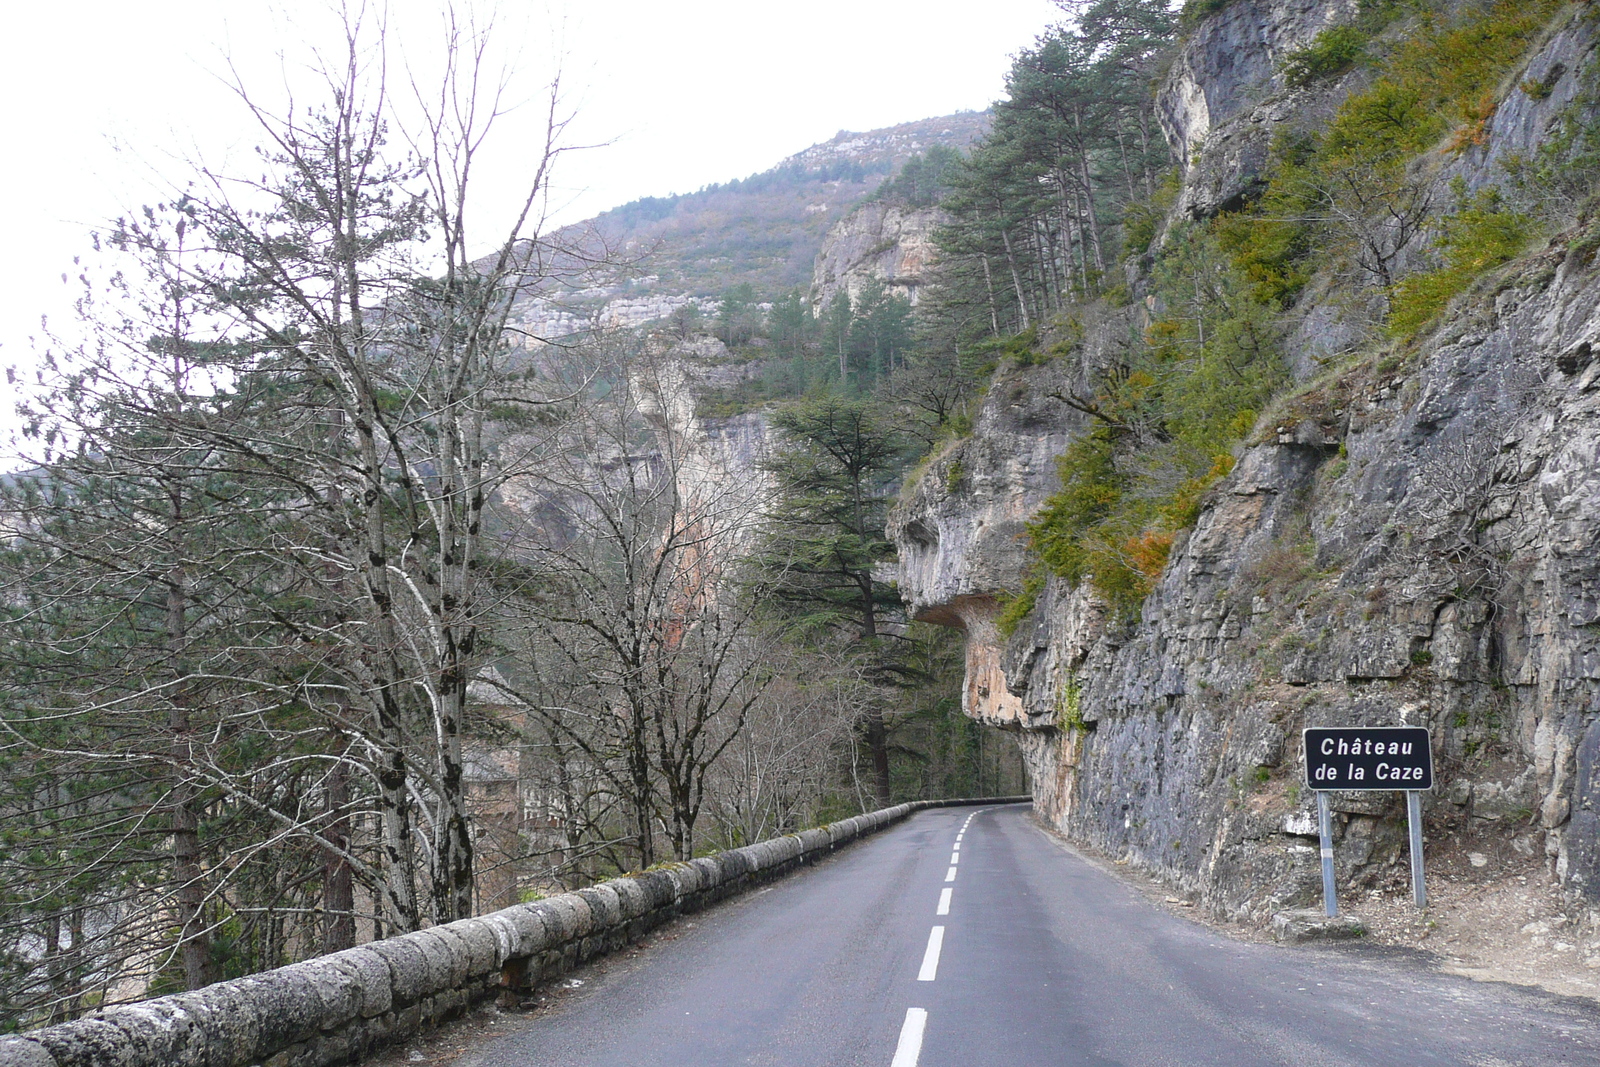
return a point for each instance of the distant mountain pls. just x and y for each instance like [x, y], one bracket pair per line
[764, 230]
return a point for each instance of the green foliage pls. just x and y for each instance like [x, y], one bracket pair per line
[1333, 51]
[1164, 421]
[1017, 347]
[1197, 11]
[836, 459]
[954, 476]
[923, 180]
[1562, 174]
[1033, 207]
[1069, 705]
[1141, 218]
[738, 317]
[1015, 608]
[1332, 192]
[1271, 242]
[1090, 495]
[1480, 234]
[1439, 76]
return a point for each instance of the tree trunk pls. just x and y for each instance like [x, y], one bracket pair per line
[878, 745]
[1016, 280]
[988, 285]
[338, 884]
[189, 890]
[1088, 197]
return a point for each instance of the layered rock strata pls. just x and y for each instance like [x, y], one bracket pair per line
[882, 239]
[1413, 538]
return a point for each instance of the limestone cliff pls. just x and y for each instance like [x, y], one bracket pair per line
[881, 238]
[1411, 538]
[1224, 97]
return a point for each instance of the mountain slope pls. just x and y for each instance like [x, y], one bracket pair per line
[764, 231]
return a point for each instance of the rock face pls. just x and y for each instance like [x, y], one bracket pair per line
[886, 239]
[1223, 97]
[1410, 541]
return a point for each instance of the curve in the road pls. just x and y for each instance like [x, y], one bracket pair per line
[971, 938]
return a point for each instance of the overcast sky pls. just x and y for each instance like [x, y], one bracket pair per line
[106, 101]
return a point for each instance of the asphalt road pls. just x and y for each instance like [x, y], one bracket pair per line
[1033, 957]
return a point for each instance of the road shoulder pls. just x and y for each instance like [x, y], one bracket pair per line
[1506, 931]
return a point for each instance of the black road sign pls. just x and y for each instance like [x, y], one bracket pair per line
[1369, 757]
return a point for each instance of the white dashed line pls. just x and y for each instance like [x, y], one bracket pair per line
[950, 875]
[958, 843]
[955, 858]
[930, 958]
[910, 1046]
[944, 901]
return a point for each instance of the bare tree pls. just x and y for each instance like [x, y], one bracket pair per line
[642, 534]
[244, 584]
[1381, 209]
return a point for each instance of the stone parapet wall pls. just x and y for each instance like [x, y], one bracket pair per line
[339, 1008]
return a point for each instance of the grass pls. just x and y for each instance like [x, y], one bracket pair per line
[1436, 86]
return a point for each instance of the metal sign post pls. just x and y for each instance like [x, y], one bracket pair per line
[1419, 892]
[1330, 899]
[1367, 758]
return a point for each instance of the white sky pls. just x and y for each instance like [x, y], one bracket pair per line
[688, 93]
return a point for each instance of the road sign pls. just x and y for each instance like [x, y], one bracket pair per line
[1369, 757]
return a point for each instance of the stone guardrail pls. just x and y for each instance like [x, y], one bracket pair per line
[341, 1007]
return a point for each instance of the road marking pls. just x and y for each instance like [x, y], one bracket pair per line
[955, 858]
[950, 875]
[958, 843]
[910, 1046]
[930, 958]
[958, 836]
[944, 901]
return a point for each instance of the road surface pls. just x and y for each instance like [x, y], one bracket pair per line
[968, 937]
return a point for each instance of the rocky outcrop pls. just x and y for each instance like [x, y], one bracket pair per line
[894, 143]
[960, 528]
[764, 231]
[1224, 97]
[1412, 538]
[884, 239]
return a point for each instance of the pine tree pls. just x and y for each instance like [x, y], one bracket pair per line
[838, 456]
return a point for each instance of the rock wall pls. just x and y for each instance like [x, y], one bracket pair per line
[340, 1008]
[1412, 539]
[1223, 97]
[882, 238]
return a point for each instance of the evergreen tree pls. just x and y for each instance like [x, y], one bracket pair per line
[880, 331]
[837, 319]
[836, 461]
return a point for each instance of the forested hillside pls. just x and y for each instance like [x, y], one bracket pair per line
[765, 230]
